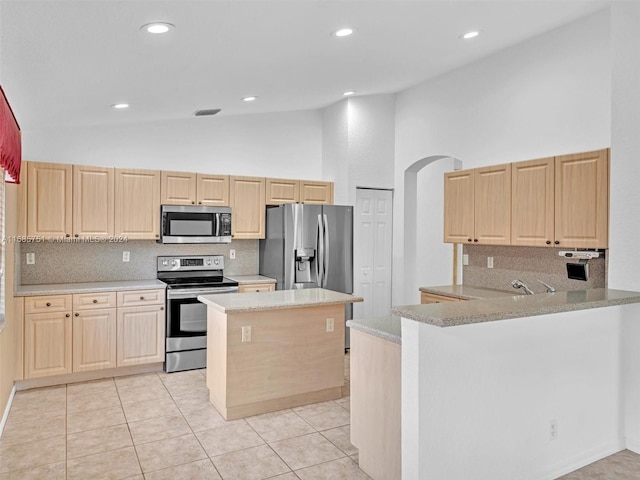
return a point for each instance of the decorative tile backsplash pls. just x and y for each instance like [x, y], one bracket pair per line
[102, 262]
[528, 264]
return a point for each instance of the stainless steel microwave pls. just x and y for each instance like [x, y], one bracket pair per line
[195, 224]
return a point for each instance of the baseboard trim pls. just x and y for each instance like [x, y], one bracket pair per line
[5, 415]
[583, 459]
[633, 444]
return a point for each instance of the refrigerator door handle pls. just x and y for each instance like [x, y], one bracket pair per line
[325, 254]
[319, 252]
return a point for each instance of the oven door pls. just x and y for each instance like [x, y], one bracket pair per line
[187, 317]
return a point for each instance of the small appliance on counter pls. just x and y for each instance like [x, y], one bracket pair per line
[186, 323]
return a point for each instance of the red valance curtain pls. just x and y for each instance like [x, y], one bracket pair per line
[10, 141]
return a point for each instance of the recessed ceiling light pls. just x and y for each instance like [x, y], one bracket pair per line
[120, 106]
[469, 35]
[249, 99]
[158, 27]
[349, 93]
[344, 32]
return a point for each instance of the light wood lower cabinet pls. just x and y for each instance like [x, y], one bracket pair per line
[256, 287]
[47, 344]
[140, 335]
[433, 298]
[94, 339]
[92, 331]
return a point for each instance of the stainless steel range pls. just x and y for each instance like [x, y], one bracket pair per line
[186, 327]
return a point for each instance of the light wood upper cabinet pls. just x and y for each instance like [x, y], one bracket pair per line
[281, 190]
[316, 192]
[532, 205]
[459, 214]
[582, 200]
[178, 188]
[248, 207]
[140, 335]
[492, 205]
[137, 204]
[93, 201]
[49, 199]
[213, 190]
[183, 188]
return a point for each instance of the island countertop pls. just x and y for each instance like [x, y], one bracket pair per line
[489, 310]
[465, 292]
[277, 300]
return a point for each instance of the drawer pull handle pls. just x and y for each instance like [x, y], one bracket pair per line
[141, 298]
[48, 304]
[95, 301]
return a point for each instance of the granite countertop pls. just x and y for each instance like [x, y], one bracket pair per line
[452, 314]
[277, 300]
[88, 287]
[387, 328]
[246, 279]
[469, 293]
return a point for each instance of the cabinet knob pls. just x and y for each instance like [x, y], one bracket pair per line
[199, 203]
[141, 298]
[557, 242]
[475, 240]
[67, 315]
[468, 239]
[77, 314]
[157, 236]
[67, 235]
[161, 308]
[95, 301]
[548, 242]
[76, 235]
[193, 203]
[48, 304]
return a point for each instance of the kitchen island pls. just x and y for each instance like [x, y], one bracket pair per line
[519, 387]
[268, 351]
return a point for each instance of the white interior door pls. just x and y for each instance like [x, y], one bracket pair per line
[372, 253]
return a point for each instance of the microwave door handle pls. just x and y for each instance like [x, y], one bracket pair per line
[217, 232]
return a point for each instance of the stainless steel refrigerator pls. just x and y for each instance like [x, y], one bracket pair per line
[309, 246]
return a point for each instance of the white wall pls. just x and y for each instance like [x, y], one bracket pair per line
[625, 147]
[275, 145]
[335, 149]
[487, 394]
[547, 96]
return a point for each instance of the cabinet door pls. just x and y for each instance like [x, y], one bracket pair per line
[47, 344]
[248, 207]
[492, 205]
[532, 206]
[49, 199]
[93, 195]
[316, 192]
[94, 339]
[582, 200]
[281, 191]
[256, 287]
[458, 207]
[137, 204]
[178, 188]
[140, 335]
[213, 190]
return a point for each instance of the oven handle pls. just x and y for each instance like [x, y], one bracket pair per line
[194, 292]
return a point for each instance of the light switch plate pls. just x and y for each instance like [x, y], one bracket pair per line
[246, 334]
[489, 262]
[330, 324]
[232, 253]
[465, 259]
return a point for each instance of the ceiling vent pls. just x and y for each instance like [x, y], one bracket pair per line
[207, 112]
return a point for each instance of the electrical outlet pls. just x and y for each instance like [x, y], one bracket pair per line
[31, 258]
[125, 256]
[553, 429]
[465, 259]
[246, 334]
[330, 324]
[489, 262]
[232, 253]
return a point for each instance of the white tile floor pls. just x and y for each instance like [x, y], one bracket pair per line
[162, 426]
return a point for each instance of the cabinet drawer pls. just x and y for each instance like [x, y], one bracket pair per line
[88, 301]
[47, 304]
[134, 298]
[257, 287]
[433, 298]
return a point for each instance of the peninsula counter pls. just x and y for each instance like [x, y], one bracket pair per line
[268, 351]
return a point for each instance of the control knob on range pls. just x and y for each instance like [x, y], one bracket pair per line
[208, 261]
[216, 261]
[165, 263]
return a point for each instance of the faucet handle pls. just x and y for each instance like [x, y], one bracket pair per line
[549, 288]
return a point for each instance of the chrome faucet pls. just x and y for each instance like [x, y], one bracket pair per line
[549, 288]
[519, 284]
